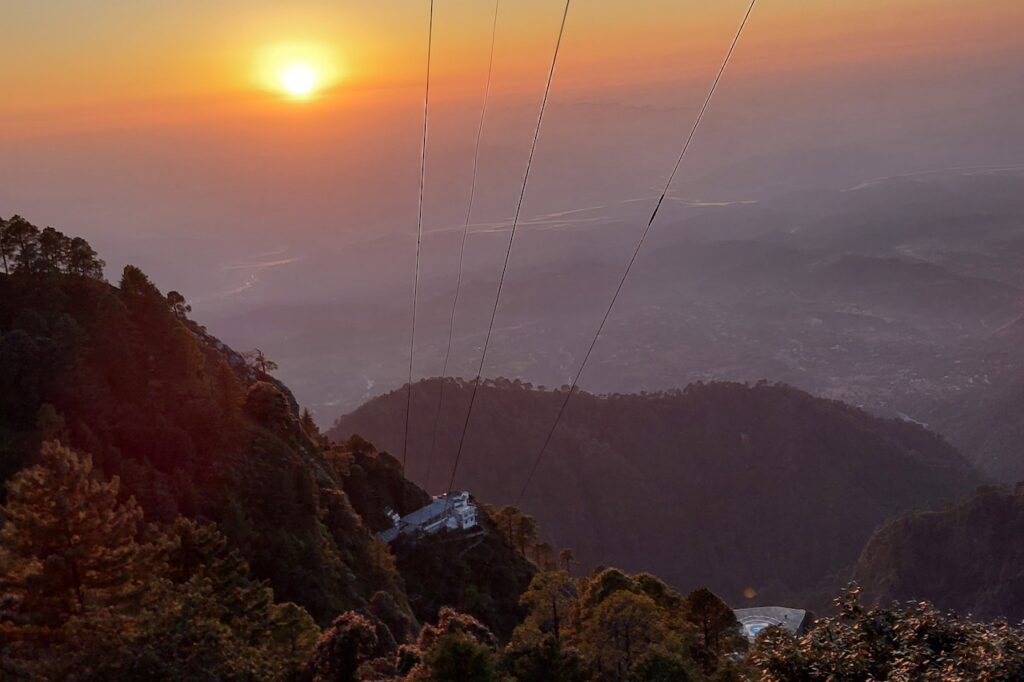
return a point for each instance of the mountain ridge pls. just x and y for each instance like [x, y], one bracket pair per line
[722, 453]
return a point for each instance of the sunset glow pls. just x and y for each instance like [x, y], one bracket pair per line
[299, 80]
[594, 341]
[299, 71]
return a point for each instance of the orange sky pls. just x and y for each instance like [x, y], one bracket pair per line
[138, 117]
[76, 64]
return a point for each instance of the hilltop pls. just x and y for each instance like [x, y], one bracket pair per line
[763, 493]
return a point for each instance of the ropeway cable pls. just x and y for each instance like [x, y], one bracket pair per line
[508, 252]
[419, 232]
[639, 245]
[462, 248]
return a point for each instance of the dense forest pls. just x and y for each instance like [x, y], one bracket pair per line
[719, 484]
[170, 514]
[189, 427]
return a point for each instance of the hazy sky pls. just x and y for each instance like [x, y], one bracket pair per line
[62, 55]
[129, 120]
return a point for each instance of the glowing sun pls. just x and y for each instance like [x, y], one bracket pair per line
[298, 71]
[299, 79]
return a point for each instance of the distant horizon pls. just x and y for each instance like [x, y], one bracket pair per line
[165, 136]
[165, 101]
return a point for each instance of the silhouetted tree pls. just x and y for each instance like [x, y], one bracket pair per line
[566, 558]
[547, 601]
[25, 248]
[619, 631]
[506, 519]
[526, 532]
[544, 556]
[178, 305]
[617, 620]
[350, 641]
[53, 250]
[543, 660]
[292, 638]
[83, 260]
[23, 237]
[458, 648]
[458, 658]
[718, 633]
[259, 362]
[5, 245]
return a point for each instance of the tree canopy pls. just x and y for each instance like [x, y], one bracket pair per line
[92, 592]
[24, 248]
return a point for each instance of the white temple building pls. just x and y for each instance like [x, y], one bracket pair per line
[453, 511]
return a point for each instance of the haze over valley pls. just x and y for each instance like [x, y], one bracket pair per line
[902, 296]
[530, 341]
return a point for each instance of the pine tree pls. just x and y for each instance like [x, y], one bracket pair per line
[717, 631]
[526, 533]
[83, 259]
[69, 524]
[351, 641]
[90, 592]
[543, 659]
[179, 306]
[293, 637]
[53, 250]
[620, 630]
[22, 243]
[238, 601]
[566, 558]
[5, 246]
[458, 658]
[73, 567]
[547, 602]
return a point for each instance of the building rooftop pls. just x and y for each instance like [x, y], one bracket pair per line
[756, 619]
[424, 515]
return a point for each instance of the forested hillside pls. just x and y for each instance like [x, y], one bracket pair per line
[205, 477]
[190, 427]
[966, 558]
[763, 493]
[186, 424]
[169, 514]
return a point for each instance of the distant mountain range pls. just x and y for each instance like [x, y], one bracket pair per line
[894, 296]
[764, 493]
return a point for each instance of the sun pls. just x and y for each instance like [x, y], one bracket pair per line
[300, 80]
[299, 71]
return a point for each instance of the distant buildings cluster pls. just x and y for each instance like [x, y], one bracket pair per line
[452, 510]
